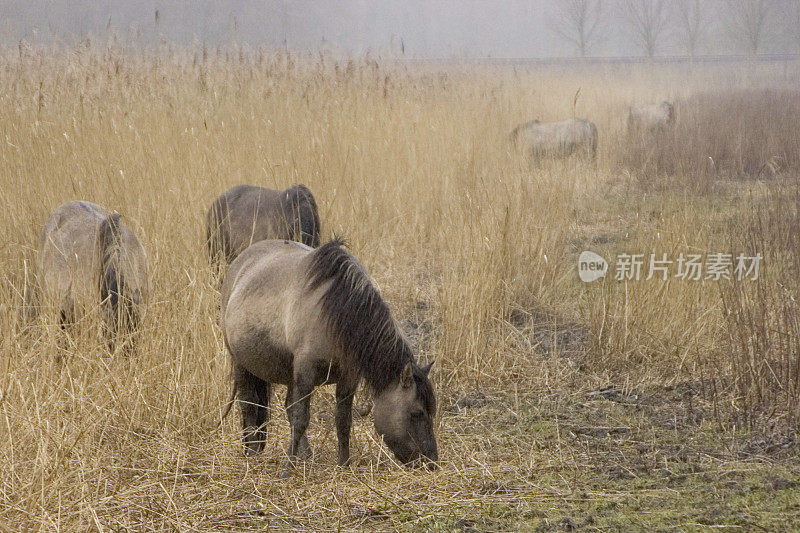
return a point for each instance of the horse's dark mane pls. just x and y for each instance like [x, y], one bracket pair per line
[359, 319]
[112, 280]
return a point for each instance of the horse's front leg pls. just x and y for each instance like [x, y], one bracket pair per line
[345, 390]
[303, 449]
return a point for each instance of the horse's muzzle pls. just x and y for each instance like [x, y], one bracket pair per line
[430, 460]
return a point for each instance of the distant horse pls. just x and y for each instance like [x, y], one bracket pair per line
[246, 214]
[650, 119]
[303, 317]
[556, 139]
[88, 257]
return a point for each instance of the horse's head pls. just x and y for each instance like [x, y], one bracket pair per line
[404, 414]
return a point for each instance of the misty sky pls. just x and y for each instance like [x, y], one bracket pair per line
[426, 28]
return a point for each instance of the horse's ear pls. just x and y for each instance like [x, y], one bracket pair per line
[427, 368]
[407, 376]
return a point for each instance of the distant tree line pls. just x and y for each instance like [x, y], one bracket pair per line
[688, 26]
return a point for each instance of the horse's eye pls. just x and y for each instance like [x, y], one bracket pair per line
[417, 416]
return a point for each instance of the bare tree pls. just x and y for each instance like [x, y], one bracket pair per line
[579, 22]
[648, 21]
[693, 21]
[748, 22]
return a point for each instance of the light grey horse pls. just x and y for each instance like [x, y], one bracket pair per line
[303, 317]
[88, 258]
[650, 119]
[556, 139]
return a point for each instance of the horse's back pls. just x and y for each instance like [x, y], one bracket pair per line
[555, 139]
[246, 214]
[259, 299]
[70, 256]
[72, 220]
[67, 247]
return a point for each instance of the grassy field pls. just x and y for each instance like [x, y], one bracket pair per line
[646, 405]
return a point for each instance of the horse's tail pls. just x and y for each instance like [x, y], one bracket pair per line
[304, 209]
[112, 284]
[228, 405]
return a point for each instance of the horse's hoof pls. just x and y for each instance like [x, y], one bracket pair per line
[251, 450]
[305, 454]
[287, 472]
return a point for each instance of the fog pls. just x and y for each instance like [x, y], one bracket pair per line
[413, 28]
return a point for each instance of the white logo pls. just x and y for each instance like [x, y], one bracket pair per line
[591, 266]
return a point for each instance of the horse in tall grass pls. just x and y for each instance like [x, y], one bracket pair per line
[89, 258]
[306, 317]
[650, 119]
[556, 140]
[246, 214]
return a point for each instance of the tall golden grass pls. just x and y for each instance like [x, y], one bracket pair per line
[473, 248]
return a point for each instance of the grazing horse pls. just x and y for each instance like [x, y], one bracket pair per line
[306, 317]
[89, 257]
[246, 214]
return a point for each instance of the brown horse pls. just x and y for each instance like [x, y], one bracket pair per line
[89, 257]
[246, 214]
[303, 318]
